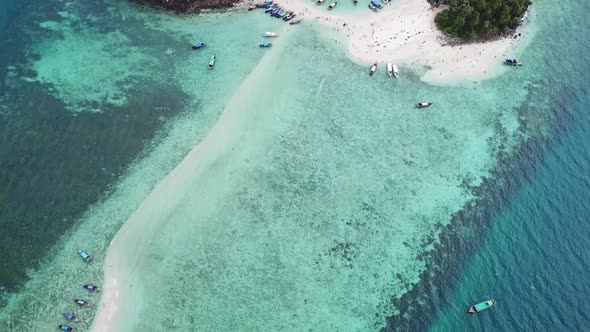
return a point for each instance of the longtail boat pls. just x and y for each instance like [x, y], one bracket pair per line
[481, 306]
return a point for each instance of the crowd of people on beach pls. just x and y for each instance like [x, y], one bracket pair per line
[71, 317]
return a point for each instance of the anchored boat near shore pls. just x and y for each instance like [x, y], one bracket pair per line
[373, 69]
[270, 34]
[211, 62]
[481, 306]
[392, 70]
[512, 62]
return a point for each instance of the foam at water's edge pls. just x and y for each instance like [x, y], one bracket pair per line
[127, 250]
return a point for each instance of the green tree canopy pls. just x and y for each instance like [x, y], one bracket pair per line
[472, 19]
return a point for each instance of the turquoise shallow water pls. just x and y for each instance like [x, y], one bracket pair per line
[323, 210]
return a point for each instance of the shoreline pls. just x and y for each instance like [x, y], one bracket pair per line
[126, 253]
[412, 38]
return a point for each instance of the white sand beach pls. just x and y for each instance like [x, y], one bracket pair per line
[404, 32]
[121, 300]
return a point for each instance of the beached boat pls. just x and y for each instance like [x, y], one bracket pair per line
[332, 5]
[512, 62]
[385, 1]
[481, 306]
[270, 34]
[319, 2]
[373, 69]
[373, 8]
[265, 45]
[389, 69]
[252, 7]
[395, 71]
[289, 17]
[211, 62]
[423, 104]
[295, 22]
[376, 4]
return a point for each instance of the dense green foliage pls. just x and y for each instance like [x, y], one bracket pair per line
[472, 19]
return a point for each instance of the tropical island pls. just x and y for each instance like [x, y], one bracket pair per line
[479, 19]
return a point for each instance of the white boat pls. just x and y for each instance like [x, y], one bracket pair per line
[319, 2]
[389, 69]
[270, 34]
[332, 5]
[395, 71]
[373, 69]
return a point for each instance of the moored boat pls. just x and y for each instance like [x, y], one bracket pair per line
[198, 46]
[355, 2]
[395, 71]
[423, 104]
[252, 7]
[319, 2]
[270, 34]
[512, 62]
[373, 8]
[373, 69]
[295, 22]
[390, 69]
[376, 4]
[211, 62]
[265, 45]
[332, 5]
[481, 306]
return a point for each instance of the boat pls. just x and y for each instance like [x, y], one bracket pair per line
[270, 9]
[389, 69]
[332, 5]
[252, 7]
[211, 62]
[355, 2]
[91, 287]
[198, 46]
[395, 71]
[290, 17]
[65, 328]
[283, 15]
[385, 1]
[84, 256]
[265, 45]
[512, 62]
[481, 306]
[423, 104]
[373, 8]
[71, 317]
[319, 2]
[82, 303]
[270, 34]
[295, 22]
[373, 69]
[376, 4]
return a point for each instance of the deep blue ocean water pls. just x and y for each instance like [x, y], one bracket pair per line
[535, 260]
